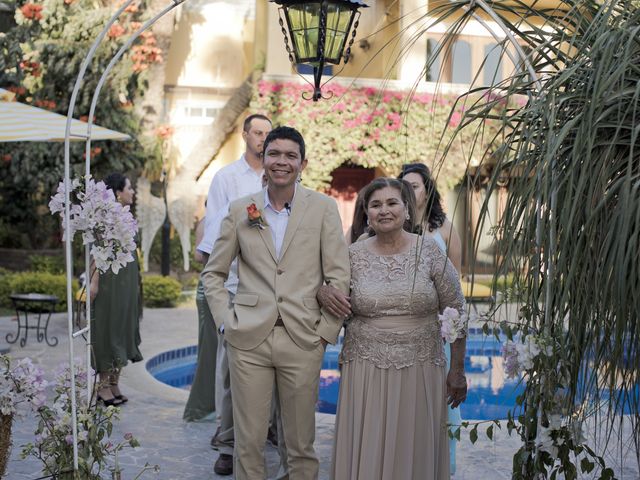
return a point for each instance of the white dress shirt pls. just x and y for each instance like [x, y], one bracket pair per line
[234, 181]
[277, 220]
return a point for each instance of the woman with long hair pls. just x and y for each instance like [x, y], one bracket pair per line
[430, 216]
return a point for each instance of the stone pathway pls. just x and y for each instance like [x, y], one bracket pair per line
[154, 415]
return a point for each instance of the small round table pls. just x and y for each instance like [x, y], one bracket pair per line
[34, 304]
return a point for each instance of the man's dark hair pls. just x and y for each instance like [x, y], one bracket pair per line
[285, 133]
[115, 181]
[256, 116]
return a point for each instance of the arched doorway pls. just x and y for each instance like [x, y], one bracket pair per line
[347, 180]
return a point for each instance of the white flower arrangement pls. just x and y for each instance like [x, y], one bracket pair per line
[21, 383]
[452, 324]
[519, 356]
[105, 224]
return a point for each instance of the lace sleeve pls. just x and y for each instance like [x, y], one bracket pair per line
[445, 278]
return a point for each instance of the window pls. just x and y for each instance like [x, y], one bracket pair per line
[435, 58]
[492, 74]
[449, 63]
[196, 113]
[461, 62]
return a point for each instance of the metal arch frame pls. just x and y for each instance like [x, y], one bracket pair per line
[67, 169]
[67, 187]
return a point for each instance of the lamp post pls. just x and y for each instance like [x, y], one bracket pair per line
[318, 32]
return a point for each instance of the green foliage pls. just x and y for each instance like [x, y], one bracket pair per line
[571, 229]
[37, 282]
[373, 128]
[47, 263]
[160, 291]
[97, 450]
[5, 288]
[39, 61]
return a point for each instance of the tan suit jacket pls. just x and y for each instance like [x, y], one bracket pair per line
[313, 252]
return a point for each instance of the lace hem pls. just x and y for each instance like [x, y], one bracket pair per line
[398, 349]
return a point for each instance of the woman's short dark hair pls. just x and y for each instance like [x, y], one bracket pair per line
[433, 212]
[285, 133]
[406, 194]
[116, 182]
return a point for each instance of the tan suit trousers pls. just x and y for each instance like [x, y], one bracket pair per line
[297, 373]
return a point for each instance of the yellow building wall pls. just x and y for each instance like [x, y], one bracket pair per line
[211, 54]
[217, 44]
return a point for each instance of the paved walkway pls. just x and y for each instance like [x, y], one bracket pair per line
[154, 415]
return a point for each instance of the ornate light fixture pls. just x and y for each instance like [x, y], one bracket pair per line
[318, 32]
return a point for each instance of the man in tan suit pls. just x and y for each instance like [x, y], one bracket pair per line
[288, 241]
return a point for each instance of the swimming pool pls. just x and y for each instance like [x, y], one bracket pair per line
[490, 394]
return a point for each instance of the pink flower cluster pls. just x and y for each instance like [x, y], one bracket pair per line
[105, 224]
[31, 11]
[22, 383]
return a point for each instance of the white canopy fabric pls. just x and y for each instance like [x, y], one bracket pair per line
[23, 123]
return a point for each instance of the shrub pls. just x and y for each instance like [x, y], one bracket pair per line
[161, 291]
[42, 282]
[47, 263]
[5, 287]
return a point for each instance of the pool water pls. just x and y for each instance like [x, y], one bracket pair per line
[490, 394]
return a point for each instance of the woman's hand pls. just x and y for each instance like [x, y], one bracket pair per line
[335, 301]
[456, 387]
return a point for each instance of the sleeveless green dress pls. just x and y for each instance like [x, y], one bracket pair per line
[115, 322]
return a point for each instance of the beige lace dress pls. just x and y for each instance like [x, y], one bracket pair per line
[391, 421]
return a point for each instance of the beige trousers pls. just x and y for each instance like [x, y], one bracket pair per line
[296, 373]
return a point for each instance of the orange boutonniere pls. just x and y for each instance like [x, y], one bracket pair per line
[255, 217]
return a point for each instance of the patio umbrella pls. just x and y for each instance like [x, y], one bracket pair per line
[23, 123]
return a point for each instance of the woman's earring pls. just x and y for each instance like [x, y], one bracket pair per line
[407, 216]
[367, 221]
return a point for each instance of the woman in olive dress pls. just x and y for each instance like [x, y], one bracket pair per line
[115, 322]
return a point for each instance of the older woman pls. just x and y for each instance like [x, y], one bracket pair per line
[392, 407]
[117, 306]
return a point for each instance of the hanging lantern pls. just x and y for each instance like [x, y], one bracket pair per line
[318, 32]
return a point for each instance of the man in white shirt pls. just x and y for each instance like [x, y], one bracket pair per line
[241, 178]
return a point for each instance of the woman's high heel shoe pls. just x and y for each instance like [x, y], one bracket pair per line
[111, 402]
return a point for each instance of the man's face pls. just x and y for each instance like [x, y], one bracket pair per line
[254, 138]
[283, 163]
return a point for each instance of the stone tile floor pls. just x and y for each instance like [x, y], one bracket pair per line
[154, 415]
